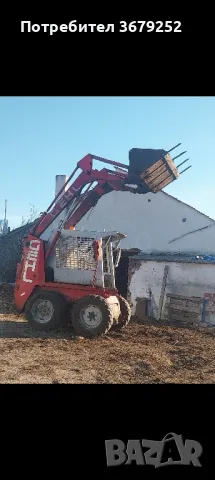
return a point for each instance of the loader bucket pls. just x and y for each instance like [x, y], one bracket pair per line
[154, 167]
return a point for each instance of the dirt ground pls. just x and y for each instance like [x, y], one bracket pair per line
[142, 353]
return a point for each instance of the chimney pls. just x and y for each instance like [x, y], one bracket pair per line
[60, 181]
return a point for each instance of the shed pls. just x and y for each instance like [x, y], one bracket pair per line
[176, 286]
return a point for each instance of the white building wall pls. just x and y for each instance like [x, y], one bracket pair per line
[188, 279]
[152, 222]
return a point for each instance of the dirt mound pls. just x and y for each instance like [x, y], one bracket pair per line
[7, 299]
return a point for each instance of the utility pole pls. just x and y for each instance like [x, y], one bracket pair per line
[5, 210]
[5, 226]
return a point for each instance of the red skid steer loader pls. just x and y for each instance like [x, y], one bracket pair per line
[68, 276]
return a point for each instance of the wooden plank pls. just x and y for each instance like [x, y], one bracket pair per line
[183, 318]
[181, 303]
[163, 288]
[183, 297]
[179, 318]
[180, 313]
[185, 308]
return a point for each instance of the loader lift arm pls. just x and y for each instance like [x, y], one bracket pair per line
[149, 177]
[107, 180]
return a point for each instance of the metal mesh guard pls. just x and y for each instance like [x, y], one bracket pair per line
[75, 253]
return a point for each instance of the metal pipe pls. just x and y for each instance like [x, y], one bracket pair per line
[185, 169]
[110, 162]
[182, 153]
[204, 308]
[183, 162]
[5, 210]
[173, 148]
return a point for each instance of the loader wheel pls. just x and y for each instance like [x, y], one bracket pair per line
[46, 311]
[125, 315]
[92, 316]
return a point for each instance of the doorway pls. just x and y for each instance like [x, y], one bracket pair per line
[121, 275]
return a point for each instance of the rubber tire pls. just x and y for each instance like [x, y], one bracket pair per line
[107, 316]
[59, 316]
[125, 315]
